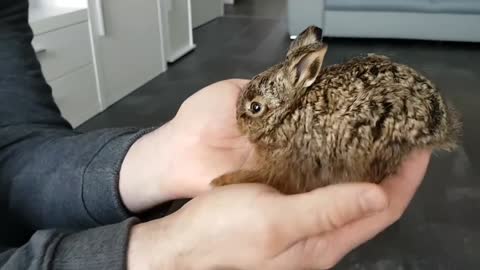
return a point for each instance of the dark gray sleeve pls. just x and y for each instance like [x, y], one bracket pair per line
[94, 249]
[66, 181]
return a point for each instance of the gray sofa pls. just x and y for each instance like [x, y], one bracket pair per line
[446, 20]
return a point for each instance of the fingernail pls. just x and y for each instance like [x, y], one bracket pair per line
[373, 200]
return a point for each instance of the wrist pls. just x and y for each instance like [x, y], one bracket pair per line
[151, 247]
[144, 180]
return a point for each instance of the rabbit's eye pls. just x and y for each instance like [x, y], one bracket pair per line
[255, 107]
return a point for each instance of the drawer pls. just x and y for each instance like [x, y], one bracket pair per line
[63, 50]
[76, 95]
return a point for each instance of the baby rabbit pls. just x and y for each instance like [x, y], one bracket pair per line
[357, 121]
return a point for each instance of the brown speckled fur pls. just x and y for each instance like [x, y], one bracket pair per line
[354, 121]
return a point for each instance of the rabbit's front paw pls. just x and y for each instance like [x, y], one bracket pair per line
[237, 177]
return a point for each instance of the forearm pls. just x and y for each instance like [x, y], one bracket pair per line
[100, 248]
[53, 176]
[58, 180]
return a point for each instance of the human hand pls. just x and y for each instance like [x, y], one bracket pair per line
[250, 226]
[400, 190]
[180, 159]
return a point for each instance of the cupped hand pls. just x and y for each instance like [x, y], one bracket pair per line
[400, 190]
[181, 158]
[208, 142]
[250, 226]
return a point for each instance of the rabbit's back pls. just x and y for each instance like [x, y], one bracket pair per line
[389, 102]
[360, 119]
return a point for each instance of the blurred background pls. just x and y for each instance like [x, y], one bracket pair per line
[118, 63]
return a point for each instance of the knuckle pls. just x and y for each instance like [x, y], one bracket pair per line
[330, 220]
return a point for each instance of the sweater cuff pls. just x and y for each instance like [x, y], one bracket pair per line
[101, 194]
[99, 248]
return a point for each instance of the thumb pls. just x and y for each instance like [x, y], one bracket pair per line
[329, 208]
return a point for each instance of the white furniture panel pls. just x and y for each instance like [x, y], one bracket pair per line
[64, 50]
[62, 42]
[48, 18]
[94, 55]
[76, 95]
[59, 3]
[177, 28]
[127, 41]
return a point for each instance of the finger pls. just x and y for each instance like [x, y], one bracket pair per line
[400, 189]
[326, 209]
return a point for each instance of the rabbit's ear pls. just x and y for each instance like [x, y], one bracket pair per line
[309, 36]
[307, 68]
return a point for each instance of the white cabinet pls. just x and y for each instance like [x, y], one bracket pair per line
[95, 52]
[63, 50]
[76, 95]
[127, 44]
[177, 28]
[62, 43]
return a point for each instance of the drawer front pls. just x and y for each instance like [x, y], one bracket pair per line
[76, 95]
[63, 50]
